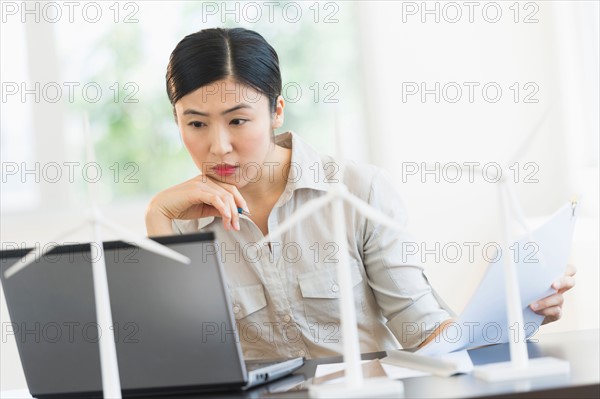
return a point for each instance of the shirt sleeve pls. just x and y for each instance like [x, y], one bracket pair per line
[407, 300]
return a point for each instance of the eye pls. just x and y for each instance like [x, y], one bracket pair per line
[238, 122]
[196, 124]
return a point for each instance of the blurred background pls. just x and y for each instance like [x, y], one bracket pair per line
[418, 87]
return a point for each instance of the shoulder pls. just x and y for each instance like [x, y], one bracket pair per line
[364, 178]
[376, 186]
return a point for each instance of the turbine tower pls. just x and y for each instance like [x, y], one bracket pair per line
[109, 366]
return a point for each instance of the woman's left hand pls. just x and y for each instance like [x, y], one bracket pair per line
[551, 306]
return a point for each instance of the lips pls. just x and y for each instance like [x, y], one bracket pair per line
[225, 169]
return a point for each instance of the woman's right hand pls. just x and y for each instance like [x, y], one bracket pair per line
[196, 198]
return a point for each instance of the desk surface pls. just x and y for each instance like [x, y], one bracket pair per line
[580, 348]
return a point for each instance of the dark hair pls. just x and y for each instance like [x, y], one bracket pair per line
[210, 55]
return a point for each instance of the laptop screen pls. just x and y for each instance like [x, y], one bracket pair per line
[171, 321]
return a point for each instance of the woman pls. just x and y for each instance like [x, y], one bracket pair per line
[225, 88]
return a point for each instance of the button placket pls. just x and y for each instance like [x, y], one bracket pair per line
[275, 253]
[276, 284]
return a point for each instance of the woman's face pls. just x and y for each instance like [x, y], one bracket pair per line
[226, 127]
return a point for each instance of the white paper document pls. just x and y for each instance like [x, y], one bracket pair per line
[539, 260]
[444, 365]
[393, 372]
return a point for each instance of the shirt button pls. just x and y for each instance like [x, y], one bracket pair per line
[301, 353]
[335, 288]
[287, 318]
[236, 309]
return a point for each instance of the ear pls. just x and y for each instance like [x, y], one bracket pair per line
[278, 116]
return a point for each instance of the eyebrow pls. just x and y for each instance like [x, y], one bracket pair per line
[191, 111]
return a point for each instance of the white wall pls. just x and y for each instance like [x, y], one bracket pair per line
[557, 56]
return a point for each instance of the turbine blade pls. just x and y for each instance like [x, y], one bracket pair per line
[146, 243]
[370, 212]
[305, 211]
[37, 253]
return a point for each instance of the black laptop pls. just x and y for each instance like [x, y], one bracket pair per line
[173, 325]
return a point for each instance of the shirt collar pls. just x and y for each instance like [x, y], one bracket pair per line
[306, 165]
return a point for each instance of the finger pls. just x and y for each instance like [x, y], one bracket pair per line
[229, 201]
[563, 284]
[548, 302]
[235, 215]
[213, 198]
[571, 270]
[237, 196]
[552, 314]
[233, 204]
[239, 199]
[207, 197]
[227, 198]
[223, 208]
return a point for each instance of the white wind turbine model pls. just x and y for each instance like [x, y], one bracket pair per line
[111, 384]
[354, 384]
[519, 366]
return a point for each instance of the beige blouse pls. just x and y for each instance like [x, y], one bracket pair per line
[285, 299]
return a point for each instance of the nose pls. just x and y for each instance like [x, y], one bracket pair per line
[220, 143]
